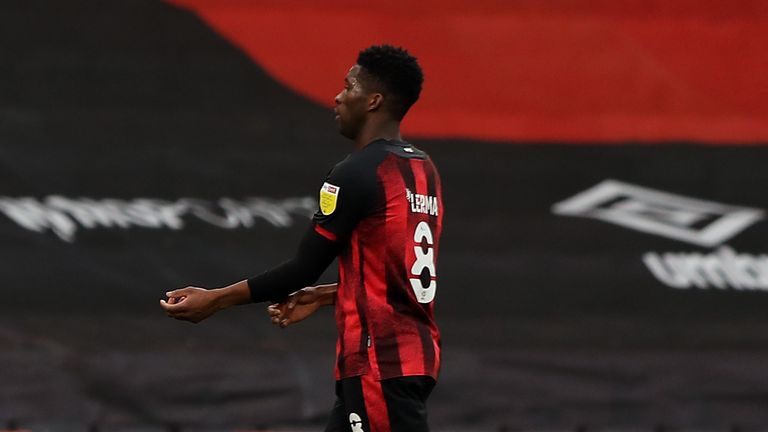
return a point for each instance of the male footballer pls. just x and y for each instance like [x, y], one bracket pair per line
[380, 213]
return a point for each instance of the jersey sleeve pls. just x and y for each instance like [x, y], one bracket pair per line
[314, 255]
[347, 195]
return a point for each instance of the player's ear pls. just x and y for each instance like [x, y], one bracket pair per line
[375, 100]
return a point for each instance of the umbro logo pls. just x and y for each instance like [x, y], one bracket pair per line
[703, 223]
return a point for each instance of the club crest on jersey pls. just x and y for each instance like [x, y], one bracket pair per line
[329, 195]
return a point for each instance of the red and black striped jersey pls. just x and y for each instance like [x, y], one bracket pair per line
[384, 204]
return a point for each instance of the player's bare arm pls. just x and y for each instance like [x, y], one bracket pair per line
[195, 304]
[315, 253]
[301, 304]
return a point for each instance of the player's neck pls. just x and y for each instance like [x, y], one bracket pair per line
[388, 130]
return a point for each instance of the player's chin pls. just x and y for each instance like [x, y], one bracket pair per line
[345, 132]
[349, 129]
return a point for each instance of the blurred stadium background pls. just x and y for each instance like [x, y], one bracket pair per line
[604, 165]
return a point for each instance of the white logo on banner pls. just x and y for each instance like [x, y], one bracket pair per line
[722, 269]
[64, 216]
[703, 223]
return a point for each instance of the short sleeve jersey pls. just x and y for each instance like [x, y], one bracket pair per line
[384, 203]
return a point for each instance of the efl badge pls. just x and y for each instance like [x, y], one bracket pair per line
[329, 194]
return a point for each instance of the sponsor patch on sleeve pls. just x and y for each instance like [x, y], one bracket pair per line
[329, 195]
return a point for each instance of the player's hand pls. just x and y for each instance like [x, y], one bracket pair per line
[296, 307]
[190, 304]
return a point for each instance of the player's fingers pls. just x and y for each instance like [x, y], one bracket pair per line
[179, 292]
[276, 318]
[169, 311]
[285, 323]
[174, 300]
[291, 303]
[172, 307]
[277, 315]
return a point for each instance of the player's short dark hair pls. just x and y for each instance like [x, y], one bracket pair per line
[397, 72]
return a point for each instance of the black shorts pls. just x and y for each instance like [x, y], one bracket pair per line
[391, 405]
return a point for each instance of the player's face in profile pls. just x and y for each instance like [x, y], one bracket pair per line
[350, 104]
